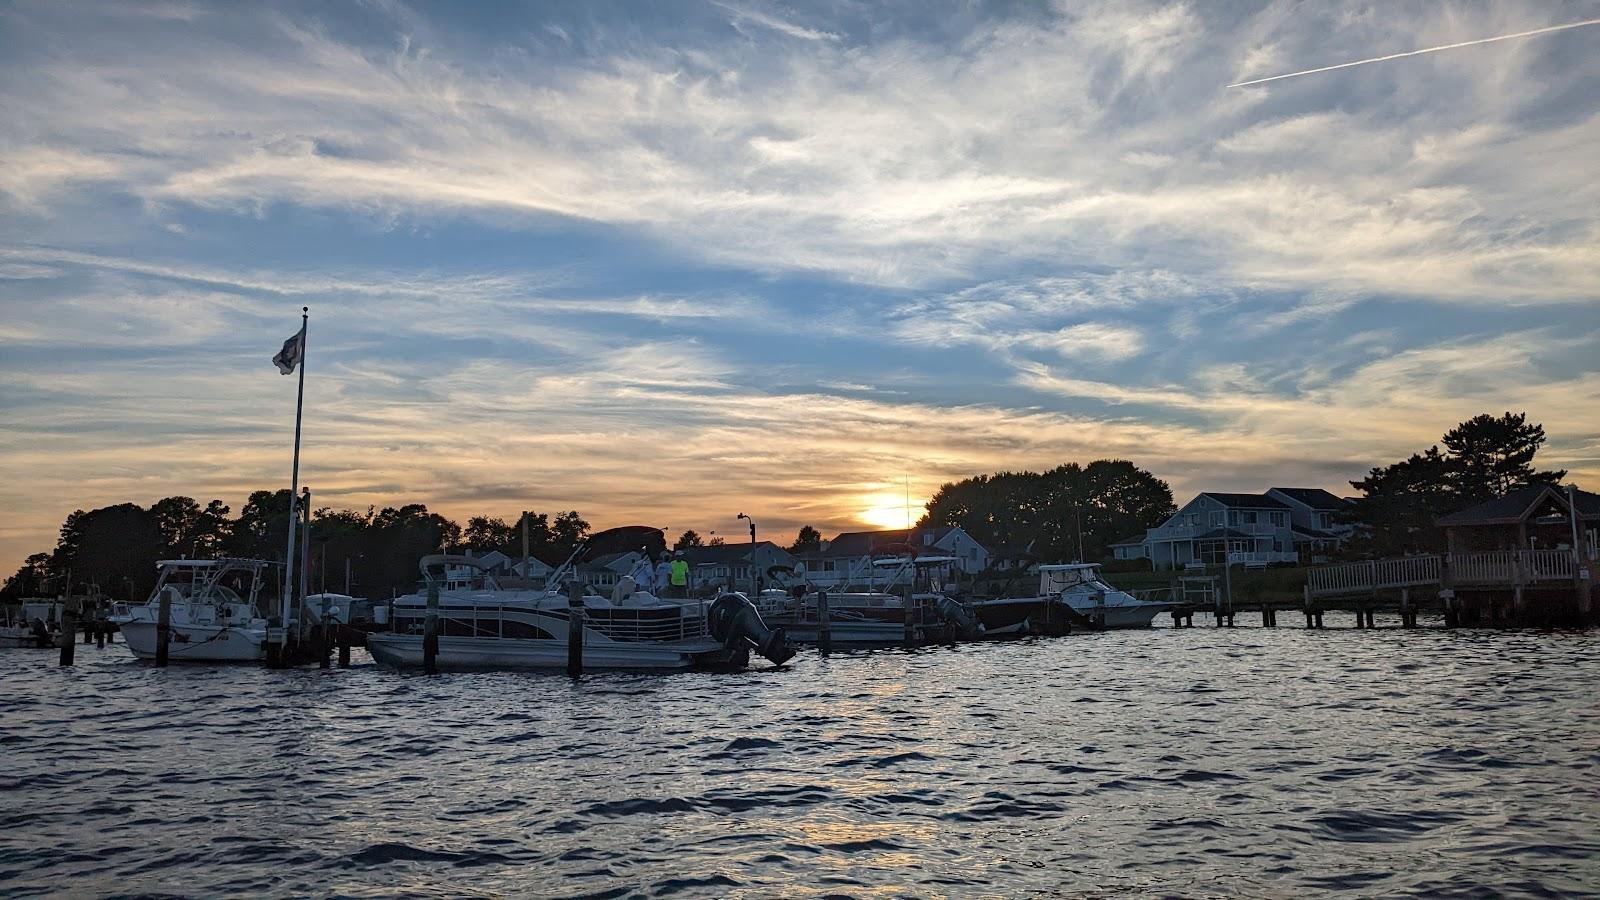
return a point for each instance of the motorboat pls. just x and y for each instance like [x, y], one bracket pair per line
[872, 617]
[214, 609]
[482, 626]
[1070, 596]
[32, 623]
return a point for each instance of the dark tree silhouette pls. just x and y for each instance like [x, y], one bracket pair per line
[809, 540]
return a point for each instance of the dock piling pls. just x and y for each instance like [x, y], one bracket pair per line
[164, 627]
[824, 626]
[575, 630]
[908, 630]
[344, 648]
[69, 631]
[430, 632]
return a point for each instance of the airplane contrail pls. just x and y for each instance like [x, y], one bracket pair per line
[1362, 62]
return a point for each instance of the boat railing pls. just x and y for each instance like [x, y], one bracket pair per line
[617, 623]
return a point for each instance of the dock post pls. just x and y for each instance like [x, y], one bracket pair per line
[1408, 616]
[430, 632]
[69, 631]
[344, 647]
[575, 630]
[908, 630]
[164, 628]
[824, 626]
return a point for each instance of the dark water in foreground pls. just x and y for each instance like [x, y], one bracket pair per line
[1193, 762]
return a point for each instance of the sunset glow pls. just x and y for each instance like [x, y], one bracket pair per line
[717, 261]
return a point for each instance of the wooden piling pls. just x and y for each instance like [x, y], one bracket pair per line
[824, 625]
[344, 648]
[908, 629]
[1407, 620]
[69, 631]
[575, 630]
[324, 643]
[164, 627]
[430, 632]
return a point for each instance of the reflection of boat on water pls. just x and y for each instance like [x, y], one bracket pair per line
[481, 626]
[1073, 595]
[213, 611]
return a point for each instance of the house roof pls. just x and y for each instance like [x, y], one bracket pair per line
[1316, 498]
[719, 553]
[1313, 534]
[1134, 541]
[861, 543]
[1521, 503]
[1245, 501]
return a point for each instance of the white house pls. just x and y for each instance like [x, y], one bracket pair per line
[848, 558]
[1282, 525]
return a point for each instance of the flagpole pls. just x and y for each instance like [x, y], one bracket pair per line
[294, 481]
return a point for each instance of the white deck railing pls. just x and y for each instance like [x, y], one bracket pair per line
[1503, 568]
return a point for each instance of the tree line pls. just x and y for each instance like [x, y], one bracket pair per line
[114, 549]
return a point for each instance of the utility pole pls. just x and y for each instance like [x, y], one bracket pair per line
[755, 570]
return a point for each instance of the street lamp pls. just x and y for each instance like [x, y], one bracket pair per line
[755, 570]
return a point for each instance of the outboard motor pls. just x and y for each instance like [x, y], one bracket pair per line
[958, 617]
[735, 622]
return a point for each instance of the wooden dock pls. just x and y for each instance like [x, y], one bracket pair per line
[1506, 587]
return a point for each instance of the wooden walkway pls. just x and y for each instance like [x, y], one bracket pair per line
[1503, 569]
[1493, 587]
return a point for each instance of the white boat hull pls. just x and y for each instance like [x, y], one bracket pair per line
[200, 643]
[1140, 615]
[405, 651]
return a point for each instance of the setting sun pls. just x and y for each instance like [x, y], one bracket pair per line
[888, 509]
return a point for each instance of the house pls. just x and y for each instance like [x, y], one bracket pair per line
[1314, 518]
[1282, 525]
[1131, 547]
[1535, 517]
[737, 565]
[847, 559]
[603, 572]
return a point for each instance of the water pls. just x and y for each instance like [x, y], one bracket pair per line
[1192, 762]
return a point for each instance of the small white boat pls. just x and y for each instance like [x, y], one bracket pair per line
[214, 611]
[1070, 595]
[481, 626]
[32, 623]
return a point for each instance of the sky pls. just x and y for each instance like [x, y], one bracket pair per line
[667, 263]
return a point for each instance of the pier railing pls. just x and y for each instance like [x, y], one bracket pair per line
[1498, 568]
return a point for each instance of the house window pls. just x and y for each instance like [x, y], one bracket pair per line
[1277, 519]
[1218, 518]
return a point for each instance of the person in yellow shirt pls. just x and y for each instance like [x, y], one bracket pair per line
[680, 576]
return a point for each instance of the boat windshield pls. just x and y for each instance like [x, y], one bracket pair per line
[1054, 580]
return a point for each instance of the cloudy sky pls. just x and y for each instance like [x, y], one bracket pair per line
[672, 262]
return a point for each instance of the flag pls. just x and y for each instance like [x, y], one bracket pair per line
[293, 349]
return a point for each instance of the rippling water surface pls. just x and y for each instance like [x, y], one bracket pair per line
[1196, 761]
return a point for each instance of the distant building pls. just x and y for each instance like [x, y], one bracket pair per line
[737, 564]
[848, 557]
[1282, 525]
[1536, 517]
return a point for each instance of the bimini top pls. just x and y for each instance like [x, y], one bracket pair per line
[1068, 567]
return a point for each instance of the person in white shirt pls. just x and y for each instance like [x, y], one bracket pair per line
[644, 572]
[663, 575]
